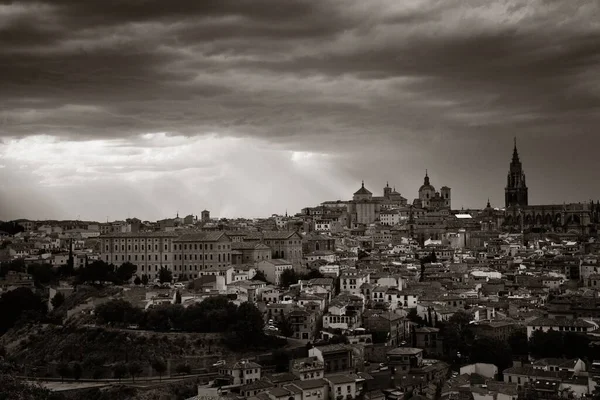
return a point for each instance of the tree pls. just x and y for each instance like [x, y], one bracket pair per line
[183, 369]
[77, 371]
[137, 281]
[164, 317]
[433, 257]
[42, 274]
[559, 344]
[456, 333]
[165, 275]
[518, 343]
[63, 370]
[17, 304]
[566, 393]
[144, 279]
[125, 271]
[413, 316]
[118, 311]
[17, 265]
[281, 360]
[134, 370]
[313, 274]
[119, 371]
[596, 393]
[215, 314]
[285, 327]
[247, 330]
[57, 300]
[491, 351]
[546, 344]
[288, 277]
[17, 389]
[260, 276]
[576, 345]
[160, 367]
[96, 272]
[11, 227]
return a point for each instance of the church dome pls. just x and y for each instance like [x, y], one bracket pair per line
[362, 190]
[426, 185]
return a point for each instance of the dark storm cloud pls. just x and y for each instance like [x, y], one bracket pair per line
[279, 69]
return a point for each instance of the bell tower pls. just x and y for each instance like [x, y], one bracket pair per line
[515, 193]
[387, 191]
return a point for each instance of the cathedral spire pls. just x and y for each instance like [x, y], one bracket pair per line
[363, 183]
[488, 203]
[516, 189]
[515, 151]
[426, 177]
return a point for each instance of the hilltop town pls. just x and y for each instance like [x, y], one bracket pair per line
[370, 297]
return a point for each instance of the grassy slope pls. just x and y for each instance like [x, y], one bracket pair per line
[40, 345]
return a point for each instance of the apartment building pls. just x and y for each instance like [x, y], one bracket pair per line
[199, 251]
[273, 269]
[352, 280]
[284, 245]
[150, 251]
[184, 255]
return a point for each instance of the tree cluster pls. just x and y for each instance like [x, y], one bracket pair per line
[101, 272]
[17, 265]
[20, 304]
[17, 389]
[11, 227]
[244, 323]
[291, 277]
[462, 346]
[431, 258]
[559, 344]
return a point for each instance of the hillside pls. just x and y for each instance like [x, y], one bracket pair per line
[40, 345]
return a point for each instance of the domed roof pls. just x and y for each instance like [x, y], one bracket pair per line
[362, 190]
[426, 184]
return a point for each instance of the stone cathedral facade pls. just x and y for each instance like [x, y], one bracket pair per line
[519, 215]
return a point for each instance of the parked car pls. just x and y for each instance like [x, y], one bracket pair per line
[179, 285]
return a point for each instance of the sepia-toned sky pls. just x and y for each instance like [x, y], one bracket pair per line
[110, 109]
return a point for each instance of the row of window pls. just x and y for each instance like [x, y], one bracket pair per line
[220, 257]
[175, 247]
[282, 242]
[135, 258]
[135, 247]
[207, 246]
[135, 240]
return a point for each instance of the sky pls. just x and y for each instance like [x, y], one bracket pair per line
[116, 109]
